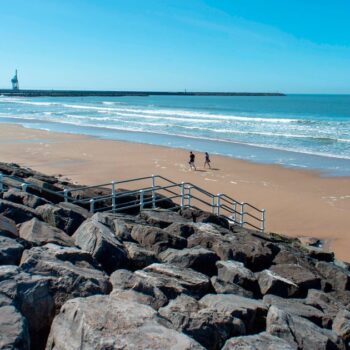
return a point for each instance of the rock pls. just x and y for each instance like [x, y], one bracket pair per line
[320, 254]
[126, 284]
[257, 342]
[76, 209]
[324, 302]
[235, 272]
[299, 308]
[156, 239]
[162, 218]
[44, 189]
[139, 257]
[255, 253]
[31, 295]
[199, 259]
[100, 242]
[10, 251]
[222, 287]
[40, 233]
[251, 312]
[272, 283]
[17, 212]
[66, 220]
[73, 272]
[8, 227]
[182, 230]
[113, 323]
[341, 326]
[304, 278]
[209, 327]
[14, 329]
[197, 215]
[337, 276]
[24, 198]
[193, 282]
[300, 332]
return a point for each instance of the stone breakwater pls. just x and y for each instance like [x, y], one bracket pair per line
[158, 279]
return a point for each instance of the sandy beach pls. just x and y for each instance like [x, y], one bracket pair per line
[298, 203]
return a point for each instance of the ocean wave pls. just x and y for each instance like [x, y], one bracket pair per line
[175, 112]
[252, 144]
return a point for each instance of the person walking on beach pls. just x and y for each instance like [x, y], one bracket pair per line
[207, 160]
[191, 162]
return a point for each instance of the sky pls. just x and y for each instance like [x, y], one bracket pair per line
[291, 46]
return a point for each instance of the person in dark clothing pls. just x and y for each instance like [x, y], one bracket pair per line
[191, 162]
[207, 160]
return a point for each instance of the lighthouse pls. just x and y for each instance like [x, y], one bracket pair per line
[14, 81]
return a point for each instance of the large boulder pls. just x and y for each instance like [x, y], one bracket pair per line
[191, 282]
[156, 239]
[341, 326]
[162, 218]
[197, 215]
[224, 287]
[139, 257]
[324, 302]
[100, 242]
[133, 287]
[65, 219]
[40, 233]
[272, 283]
[251, 312]
[75, 208]
[31, 295]
[299, 307]
[20, 197]
[113, 323]
[72, 272]
[8, 227]
[197, 258]
[234, 272]
[182, 230]
[304, 278]
[209, 327]
[337, 276]
[14, 332]
[17, 212]
[300, 332]
[259, 341]
[10, 251]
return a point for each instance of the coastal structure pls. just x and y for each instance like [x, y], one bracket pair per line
[14, 82]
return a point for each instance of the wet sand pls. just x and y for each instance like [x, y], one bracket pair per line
[298, 203]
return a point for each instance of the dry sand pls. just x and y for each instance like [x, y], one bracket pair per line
[298, 203]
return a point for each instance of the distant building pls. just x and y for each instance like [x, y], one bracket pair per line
[14, 81]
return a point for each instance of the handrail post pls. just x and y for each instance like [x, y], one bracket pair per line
[113, 196]
[234, 207]
[153, 191]
[242, 214]
[24, 187]
[1, 182]
[213, 205]
[65, 194]
[92, 205]
[189, 195]
[262, 220]
[182, 195]
[218, 204]
[141, 199]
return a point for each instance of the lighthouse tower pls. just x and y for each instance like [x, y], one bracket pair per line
[14, 81]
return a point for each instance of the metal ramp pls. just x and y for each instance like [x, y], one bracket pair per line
[149, 192]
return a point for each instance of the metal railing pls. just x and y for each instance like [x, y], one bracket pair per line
[150, 192]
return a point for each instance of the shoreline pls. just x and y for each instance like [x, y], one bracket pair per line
[299, 202]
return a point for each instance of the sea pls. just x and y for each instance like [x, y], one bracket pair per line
[298, 131]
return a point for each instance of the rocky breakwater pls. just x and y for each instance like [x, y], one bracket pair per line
[159, 280]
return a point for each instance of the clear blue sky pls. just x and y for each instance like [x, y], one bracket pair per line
[300, 46]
